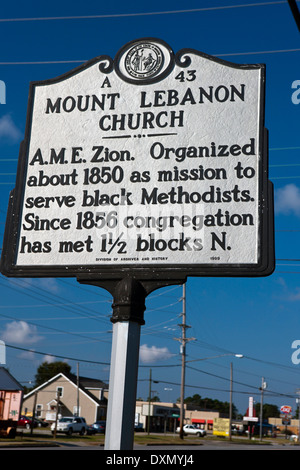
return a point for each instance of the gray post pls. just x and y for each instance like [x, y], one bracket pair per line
[298, 420]
[230, 402]
[183, 359]
[129, 296]
[128, 310]
[261, 408]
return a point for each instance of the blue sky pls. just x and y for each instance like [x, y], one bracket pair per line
[258, 317]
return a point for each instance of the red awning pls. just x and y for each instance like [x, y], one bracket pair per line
[199, 421]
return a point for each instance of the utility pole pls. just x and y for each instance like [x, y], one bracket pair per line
[57, 411]
[33, 412]
[149, 401]
[230, 402]
[183, 341]
[298, 404]
[77, 389]
[262, 388]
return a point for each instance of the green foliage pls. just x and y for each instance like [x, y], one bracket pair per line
[269, 411]
[155, 398]
[210, 404]
[48, 370]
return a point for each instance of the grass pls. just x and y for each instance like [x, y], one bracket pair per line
[47, 439]
[167, 439]
[27, 438]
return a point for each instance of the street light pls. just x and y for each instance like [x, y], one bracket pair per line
[183, 341]
[231, 380]
[230, 400]
[167, 389]
[149, 398]
[215, 357]
[262, 388]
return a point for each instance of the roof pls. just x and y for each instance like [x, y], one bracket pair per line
[88, 382]
[84, 383]
[8, 382]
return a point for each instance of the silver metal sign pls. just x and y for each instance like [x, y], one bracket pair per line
[151, 161]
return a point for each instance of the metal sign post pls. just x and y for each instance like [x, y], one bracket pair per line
[135, 173]
[129, 306]
[129, 296]
[122, 386]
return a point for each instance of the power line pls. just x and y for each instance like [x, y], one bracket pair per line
[284, 177]
[239, 383]
[285, 165]
[56, 355]
[278, 51]
[154, 13]
[44, 297]
[284, 148]
[224, 390]
[53, 329]
[45, 62]
[272, 393]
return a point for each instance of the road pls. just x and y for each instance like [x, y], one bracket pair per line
[208, 445]
[205, 444]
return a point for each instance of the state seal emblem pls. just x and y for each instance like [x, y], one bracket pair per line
[144, 60]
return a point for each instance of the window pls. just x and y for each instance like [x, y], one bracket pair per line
[59, 390]
[38, 411]
[76, 411]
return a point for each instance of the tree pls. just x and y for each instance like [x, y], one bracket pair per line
[48, 370]
[195, 400]
[154, 398]
[269, 411]
[211, 404]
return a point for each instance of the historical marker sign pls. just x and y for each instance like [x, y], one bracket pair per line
[151, 162]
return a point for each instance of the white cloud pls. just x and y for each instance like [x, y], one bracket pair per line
[20, 332]
[287, 200]
[28, 355]
[49, 359]
[153, 354]
[294, 297]
[8, 129]
[49, 284]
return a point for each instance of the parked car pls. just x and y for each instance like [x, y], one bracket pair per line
[138, 427]
[25, 422]
[90, 430]
[99, 426]
[40, 423]
[191, 429]
[69, 425]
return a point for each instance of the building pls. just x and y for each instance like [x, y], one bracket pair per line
[64, 395]
[164, 417]
[89, 399]
[292, 425]
[11, 393]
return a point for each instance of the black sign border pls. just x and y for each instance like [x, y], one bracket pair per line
[266, 263]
